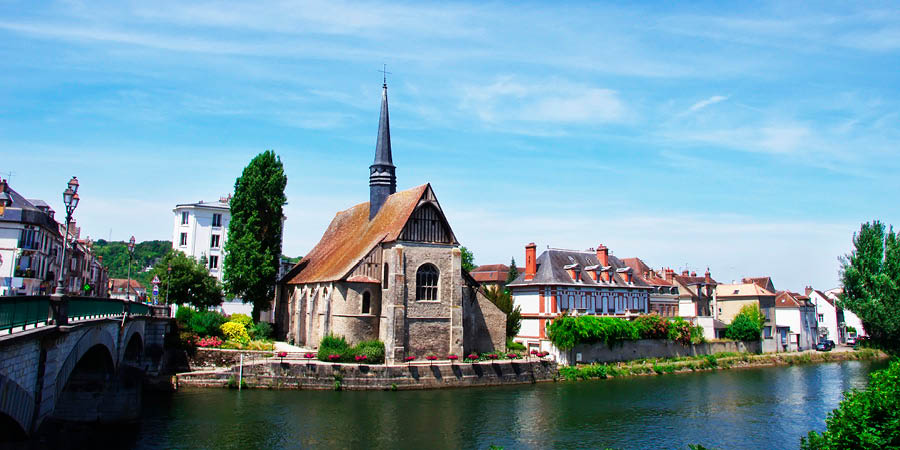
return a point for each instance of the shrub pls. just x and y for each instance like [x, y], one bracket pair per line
[373, 351]
[747, 325]
[187, 339]
[514, 346]
[680, 331]
[242, 319]
[652, 326]
[567, 331]
[207, 323]
[183, 314]
[262, 330]
[333, 345]
[235, 331]
[865, 419]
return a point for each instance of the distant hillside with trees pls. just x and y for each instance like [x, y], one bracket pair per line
[115, 258]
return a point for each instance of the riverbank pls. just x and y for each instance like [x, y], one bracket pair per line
[718, 361]
[317, 375]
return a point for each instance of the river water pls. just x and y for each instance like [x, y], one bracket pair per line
[762, 408]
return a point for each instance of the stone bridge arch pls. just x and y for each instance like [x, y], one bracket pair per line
[134, 335]
[93, 337]
[18, 405]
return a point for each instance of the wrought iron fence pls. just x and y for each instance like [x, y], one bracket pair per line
[23, 311]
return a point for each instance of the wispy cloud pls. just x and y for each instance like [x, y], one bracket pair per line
[704, 103]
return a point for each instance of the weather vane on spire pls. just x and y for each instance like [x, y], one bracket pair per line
[384, 74]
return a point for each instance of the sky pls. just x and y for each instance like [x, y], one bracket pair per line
[749, 138]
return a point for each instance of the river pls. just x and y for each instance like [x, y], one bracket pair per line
[760, 408]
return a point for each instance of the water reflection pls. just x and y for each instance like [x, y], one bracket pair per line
[738, 409]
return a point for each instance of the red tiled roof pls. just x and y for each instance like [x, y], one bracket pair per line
[362, 279]
[785, 299]
[640, 268]
[351, 236]
[491, 273]
[762, 282]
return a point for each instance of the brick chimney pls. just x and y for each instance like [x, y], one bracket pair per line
[693, 274]
[603, 255]
[809, 290]
[530, 261]
[670, 274]
[706, 277]
[685, 273]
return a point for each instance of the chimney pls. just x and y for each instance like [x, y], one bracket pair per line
[670, 274]
[603, 255]
[706, 277]
[809, 290]
[693, 274]
[685, 273]
[530, 261]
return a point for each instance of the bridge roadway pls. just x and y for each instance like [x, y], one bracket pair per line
[77, 359]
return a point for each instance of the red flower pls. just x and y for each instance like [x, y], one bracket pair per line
[493, 356]
[309, 355]
[534, 352]
[334, 357]
[473, 356]
[282, 354]
[409, 358]
[452, 357]
[431, 357]
[360, 358]
[512, 355]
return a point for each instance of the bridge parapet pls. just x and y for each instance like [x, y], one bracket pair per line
[20, 313]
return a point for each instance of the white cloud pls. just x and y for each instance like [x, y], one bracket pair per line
[704, 103]
[509, 101]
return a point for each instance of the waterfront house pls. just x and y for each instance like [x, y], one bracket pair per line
[850, 319]
[121, 289]
[828, 318]
[389, 269]
[663, 296]
[730, 298]
[795, 320]
[561, 281]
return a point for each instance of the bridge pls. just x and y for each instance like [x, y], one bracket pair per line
[74, 359]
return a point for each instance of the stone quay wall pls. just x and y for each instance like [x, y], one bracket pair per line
[273, 374]
[651, 348]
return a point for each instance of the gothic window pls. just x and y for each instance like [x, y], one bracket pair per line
[384, 277]
[427, 282]
[366, 302]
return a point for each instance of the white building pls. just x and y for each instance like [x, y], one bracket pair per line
[795, 320]
[201, 230]
[826, 315]
[850, 319]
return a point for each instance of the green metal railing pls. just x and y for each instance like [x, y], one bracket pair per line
[19, 313]
[22, 311]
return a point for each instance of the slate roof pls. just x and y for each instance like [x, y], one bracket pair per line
[351, 236]
[551, 270]
[202, 204]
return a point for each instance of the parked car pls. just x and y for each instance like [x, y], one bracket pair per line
[825, 346]
[851, 340]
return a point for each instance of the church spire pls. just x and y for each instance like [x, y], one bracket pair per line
[382, 173]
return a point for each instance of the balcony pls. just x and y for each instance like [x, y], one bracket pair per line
[24, 273]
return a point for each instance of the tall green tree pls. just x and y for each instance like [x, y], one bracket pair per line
[504, 302]
[513, 271]
[468, 259]
[189, 281]
[254, 234]
[871, 278]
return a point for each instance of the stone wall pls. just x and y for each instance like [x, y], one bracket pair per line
[205, 359]
[651, 348]
[325, 376]
[483, 322]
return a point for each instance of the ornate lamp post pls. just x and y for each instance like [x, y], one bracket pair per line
[130, 256]
[70, 199]
[168, 275]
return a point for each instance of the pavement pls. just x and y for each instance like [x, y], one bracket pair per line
[285, 347]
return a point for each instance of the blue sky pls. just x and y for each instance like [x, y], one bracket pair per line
[749, 138]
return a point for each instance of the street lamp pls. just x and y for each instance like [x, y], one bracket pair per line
[168, 275]
[70, 199]
[130, 256]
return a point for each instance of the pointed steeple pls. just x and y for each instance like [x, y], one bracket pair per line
[382, 173]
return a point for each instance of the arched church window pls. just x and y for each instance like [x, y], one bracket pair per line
[427, 282]
[366, 302]
[384, 277]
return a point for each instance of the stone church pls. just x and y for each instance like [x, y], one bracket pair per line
[389, 269]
